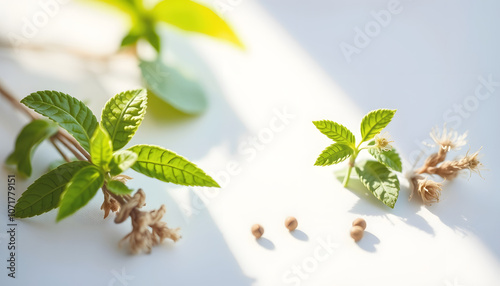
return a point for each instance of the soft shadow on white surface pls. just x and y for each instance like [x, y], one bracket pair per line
[266, 243]
[369, 242]
[300, 235]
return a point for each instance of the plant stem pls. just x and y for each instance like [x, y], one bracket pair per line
[348, 175]
[71, 148]
[53, 141]
[16, 103]
[66, 136]
[351, 165]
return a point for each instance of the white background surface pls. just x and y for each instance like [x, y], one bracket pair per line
[423, 63]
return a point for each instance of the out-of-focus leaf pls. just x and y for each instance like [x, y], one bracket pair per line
[194, 17]
[28, 139]
[171, 85]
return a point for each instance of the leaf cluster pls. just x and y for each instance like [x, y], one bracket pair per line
[377, 176]
[72, 185]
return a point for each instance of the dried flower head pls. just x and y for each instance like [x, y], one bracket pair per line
[472, 162]
[383, 142]
[122, 178]
[429, 190]
[448, 139]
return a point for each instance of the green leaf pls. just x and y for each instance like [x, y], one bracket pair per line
[174, 87]
[101, 148]
[71, 114]
[121, 161]
[389, 158]
[123, 114]
[44, 194]
[334, 154]
[337, 132]
[379, 180]
[27, 141]
[374, 122]
[119, 188]
[131, 38]
[80, 190]
[165, 165]
[152, 37]
[194, 17]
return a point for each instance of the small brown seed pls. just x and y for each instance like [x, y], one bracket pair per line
[257, 230]
[357, 233]
[291, 223]
[359, 222]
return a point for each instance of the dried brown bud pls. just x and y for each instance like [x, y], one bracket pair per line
[109, 204]
[449, 170]
[137, 201]
[142, 238]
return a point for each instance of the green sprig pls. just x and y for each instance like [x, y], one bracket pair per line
[71, 186]
[376, 176]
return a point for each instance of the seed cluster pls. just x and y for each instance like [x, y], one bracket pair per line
[358, 229]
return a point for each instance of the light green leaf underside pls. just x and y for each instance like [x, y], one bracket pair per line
[374, 122]
[121, 161]
[44, 194]
[389, 158]
[334, 154]
[174, 86]
[194, 17]
[118, 188]
[101, 149]
[80, 190]
[337, 132]
[27, 141]
[122, 115]
[165, 165]
[70, 113]
[379, 180]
